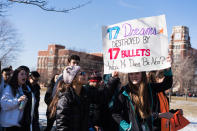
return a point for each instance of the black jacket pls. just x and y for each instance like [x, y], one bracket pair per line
[72, 113]
[36, 91]
[156, 106]
[26, 118]
[94, 112]
[122, 109]
[48, 98]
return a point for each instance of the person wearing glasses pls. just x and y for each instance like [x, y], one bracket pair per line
[72, 99]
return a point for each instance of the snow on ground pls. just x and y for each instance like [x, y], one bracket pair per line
[189, 115]
[189, 111]
[192, 126]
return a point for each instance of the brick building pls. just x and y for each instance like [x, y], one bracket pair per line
[180, 48]
[180, 43]
[53, 61]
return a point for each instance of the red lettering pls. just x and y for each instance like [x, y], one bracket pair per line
[110, 52]
[123, 53]
[117, 50]
[147, 52]
[133, 53]
[143, 51]
[137, 52]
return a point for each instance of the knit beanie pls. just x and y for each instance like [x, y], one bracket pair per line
[69, 73]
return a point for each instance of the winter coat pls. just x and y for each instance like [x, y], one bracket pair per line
[94, 112]
[47, 99]
[72, 113]
[27, 117]
[36, 91]
[124, 112]
[1, 86]
[10, 113]
[156, 103]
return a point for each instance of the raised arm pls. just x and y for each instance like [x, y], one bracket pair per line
[166, 84]
[103, 94]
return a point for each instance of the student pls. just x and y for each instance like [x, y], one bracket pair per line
[160, 104]
[6, 73]
[28, 117]
[133, 107]
[94, 111]
[35, 88]
[73, 60]
[1, 86]
[48, 98]
[72, 99]
[1, 90]
[14, 103]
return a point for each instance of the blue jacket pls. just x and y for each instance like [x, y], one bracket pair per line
[10, 114]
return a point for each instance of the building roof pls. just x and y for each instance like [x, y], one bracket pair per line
[97, 54]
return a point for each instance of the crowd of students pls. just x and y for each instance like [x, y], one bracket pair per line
[19, 99]
[80, 104]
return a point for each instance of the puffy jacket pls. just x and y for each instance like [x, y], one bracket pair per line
[10, 113]
[72, 111]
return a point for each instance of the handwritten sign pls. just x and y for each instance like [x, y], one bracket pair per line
[136, 45]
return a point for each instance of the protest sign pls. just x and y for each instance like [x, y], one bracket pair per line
[136, 45]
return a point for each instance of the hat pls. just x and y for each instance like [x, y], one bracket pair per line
[69, 73]
[95, 77]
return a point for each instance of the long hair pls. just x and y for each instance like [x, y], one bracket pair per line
[61, 87]
[13, 82]
[140, 97]
[52, 81]
[151, 77]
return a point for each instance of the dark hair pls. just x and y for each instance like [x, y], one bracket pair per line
[35, 74]
[52, 81]
[151, 77]
[14, 80]
[73, 57]
[6, 70]
[159, 74]
[95, 75]
[25, 68]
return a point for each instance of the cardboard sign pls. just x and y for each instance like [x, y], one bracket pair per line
[136, 45]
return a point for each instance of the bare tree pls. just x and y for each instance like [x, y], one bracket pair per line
[42, 4]
[9, 43]
[184, 73]
[4, 4]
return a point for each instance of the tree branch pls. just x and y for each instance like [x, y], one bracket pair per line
[43, 5]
